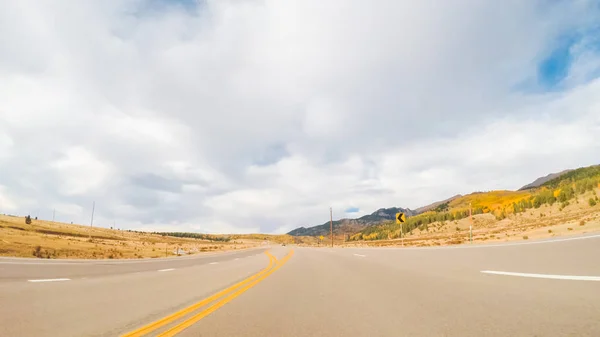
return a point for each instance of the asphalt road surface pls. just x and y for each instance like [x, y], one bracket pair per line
[549, 288]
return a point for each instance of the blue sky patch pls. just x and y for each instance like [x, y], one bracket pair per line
[353, 210]
[187, 4]
[555, 67]
[271, 155]
[157, 7]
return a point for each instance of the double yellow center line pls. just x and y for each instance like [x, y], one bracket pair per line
[225, 296]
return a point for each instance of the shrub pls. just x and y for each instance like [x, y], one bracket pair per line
[28, 220]
[592, 202]
[569, 229]
[37, 252]
[581, 223]
[525, 237]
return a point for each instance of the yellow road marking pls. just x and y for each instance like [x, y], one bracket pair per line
[194, 319]
[179, 314]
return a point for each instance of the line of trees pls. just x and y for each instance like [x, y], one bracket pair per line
[565, 191]
[574, 176]
[195, 236]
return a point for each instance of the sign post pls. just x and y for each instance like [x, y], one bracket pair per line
[331, 224]
[401, 219]
[471, 233]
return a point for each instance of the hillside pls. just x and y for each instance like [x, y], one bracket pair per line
[351, 226]
[539, 181]
[571, 196]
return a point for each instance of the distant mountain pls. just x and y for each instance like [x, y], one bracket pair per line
[540, 181]
[435, 204]
[351, 226]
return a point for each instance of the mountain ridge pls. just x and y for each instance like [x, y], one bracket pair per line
[542, 180]
[436, 204]
[351, 226]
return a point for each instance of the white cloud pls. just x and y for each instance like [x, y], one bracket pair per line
[257, 116]
[80, 172]
[7, 205]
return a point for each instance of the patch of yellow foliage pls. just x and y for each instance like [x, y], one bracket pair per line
[489, 201]
[371, 236]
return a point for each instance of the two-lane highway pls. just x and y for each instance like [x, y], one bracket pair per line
[549, 288]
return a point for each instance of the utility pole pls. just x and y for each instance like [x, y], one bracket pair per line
[92, 220]
[331, 224]
[470, 223]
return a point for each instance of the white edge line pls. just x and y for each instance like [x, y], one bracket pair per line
[546, 276]
[489, 245]
[214, 263]
[360, 255]
[50, 280]
[168, 269]
[237, 258]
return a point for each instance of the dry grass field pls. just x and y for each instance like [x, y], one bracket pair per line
[54, 240]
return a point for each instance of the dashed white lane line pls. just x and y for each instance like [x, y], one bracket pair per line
[360, 255]
[168, 269]
[214, 263]
[50, 280]
[546, 276]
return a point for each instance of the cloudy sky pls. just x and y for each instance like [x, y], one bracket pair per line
[257, 115]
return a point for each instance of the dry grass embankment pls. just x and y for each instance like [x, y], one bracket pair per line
[46, 239]
[578, 217]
